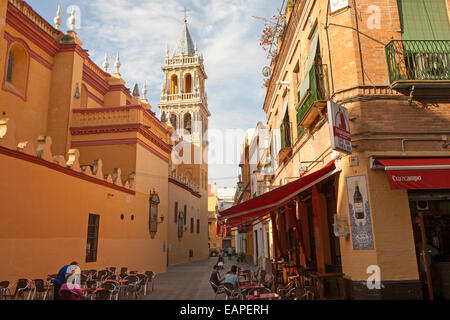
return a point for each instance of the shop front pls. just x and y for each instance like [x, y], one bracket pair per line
[305, 249]
[427, 183]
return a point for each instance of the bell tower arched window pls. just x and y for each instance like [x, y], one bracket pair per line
[174, 84]
[188, 83]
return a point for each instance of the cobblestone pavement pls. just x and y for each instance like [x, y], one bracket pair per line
[189, 281]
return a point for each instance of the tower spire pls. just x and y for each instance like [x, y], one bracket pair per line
[117, 64]
[58, 19]
[106, 63]
[72, 20]
[185, 45]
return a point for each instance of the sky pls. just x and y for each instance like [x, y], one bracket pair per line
[225, 33]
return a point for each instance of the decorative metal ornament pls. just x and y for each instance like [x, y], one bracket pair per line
[153, 214]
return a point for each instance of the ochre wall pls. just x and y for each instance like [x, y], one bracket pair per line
[198, 242]
[46, 227]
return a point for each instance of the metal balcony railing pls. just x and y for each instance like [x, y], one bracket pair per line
[418, 60]
[318, 91]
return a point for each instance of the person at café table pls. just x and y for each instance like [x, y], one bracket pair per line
[64, 273]
[232, 277]
[77, 293]
[215, 277]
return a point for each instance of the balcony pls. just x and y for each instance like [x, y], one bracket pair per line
[422, 64]
[314, 102]
[286, 142]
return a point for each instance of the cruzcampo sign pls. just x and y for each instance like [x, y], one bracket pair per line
[339, 128]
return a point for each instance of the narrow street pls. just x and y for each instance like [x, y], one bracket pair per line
[189, 281]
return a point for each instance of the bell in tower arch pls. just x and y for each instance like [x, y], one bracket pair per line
[188, 123]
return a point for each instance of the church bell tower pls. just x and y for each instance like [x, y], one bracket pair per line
[184, 103]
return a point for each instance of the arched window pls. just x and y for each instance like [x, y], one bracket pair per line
[10, 67]
[188, 83]
[188, 122]
[17, 69]
[174, 84]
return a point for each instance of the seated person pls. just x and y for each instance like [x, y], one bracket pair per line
[77, 293]
[215, 277]
[232, 277]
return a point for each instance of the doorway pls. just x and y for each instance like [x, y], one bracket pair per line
[430, 214]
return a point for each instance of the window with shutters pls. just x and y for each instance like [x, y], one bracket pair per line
[92, 238]
[176, 213]
[424, 19]
[192, 225]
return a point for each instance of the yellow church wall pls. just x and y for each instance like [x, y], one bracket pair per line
[49, 225]
[198, 242]
[28, 106]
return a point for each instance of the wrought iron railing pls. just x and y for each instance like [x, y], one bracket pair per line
[418, 60]
[318, 90]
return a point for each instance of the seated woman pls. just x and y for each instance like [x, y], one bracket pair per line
[77, 293]
[232, 277]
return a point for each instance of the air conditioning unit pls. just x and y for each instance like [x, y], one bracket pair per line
[422, 205]
[432, 66]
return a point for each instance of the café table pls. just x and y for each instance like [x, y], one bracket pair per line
[263, 296]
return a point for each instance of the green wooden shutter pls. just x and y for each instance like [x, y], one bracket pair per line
[424, 19]
[282, 135]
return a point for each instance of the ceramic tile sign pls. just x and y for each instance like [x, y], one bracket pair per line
[336, 5]
[359, 211]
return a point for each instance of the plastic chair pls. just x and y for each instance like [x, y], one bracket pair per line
[151, 279]
[123, 272]
[132, 286]
[231, 292]
[113, 290]
[40, 288]
[217, 289]
[5, 287]
[22, 286]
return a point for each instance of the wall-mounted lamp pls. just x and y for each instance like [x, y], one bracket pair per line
[161, 220]
[77, 94]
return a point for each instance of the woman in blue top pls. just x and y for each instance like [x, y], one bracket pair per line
[61, 278]
[232, 278]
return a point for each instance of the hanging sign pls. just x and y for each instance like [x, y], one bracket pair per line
[336, 5]
[341, 139]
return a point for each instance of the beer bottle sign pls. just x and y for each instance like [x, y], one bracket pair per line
[358, 203]
[359, 213]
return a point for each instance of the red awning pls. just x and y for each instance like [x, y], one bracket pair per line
[258, 207]
[417, 173]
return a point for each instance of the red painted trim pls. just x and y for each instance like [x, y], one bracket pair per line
[11, 41]
[175, 182]
[10, 38]
[94, 97]
[94, 80]
[110, 142]
[67, 171]
[31, 30]
[75, 48]
[149, 148]
[77, 131]
[121, 87]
